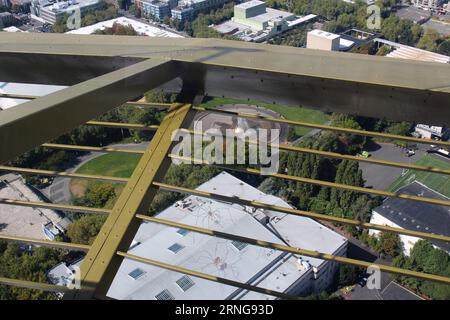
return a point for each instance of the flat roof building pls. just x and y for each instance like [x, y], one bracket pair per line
[253, 21]
[322, 40]
[417, 216]
[234, 260]
[50, 11]
[140, 27]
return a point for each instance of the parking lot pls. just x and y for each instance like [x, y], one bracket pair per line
[381, 177]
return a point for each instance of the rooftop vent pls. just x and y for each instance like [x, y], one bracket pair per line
[136, 273]
[164, 295]
[185, 283]
[176, 247]
[239, 245]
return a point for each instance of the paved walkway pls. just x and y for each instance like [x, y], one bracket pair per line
[59, 190]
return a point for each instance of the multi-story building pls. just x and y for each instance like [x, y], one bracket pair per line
[6, 19]
[253, 21]
[156, 9]
[432, 132]
[183, 13]
[427, 4]
[322, 40]
[395, 212]
[234, 260]
[51, 11]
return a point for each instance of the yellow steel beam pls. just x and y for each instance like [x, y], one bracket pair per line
[91, 149]
[53, 206]
[52, 173]
[47, 117]
[313, 215]
[17, 96]
[323, 183]
[149, 104]
[309, 253]
[327, 127]
[206, 276]
[119, 125]
[33, 285]
[46, 243]
[101, 263]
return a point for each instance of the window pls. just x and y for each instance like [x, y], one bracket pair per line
[239, 245]
[175, 247]
[182, 232]
[185, 283]
[136, 273]
[164, 295]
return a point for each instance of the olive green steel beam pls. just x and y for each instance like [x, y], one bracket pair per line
[101, 262]
[17, 96]
[309, 214]
[289, 148]
[91, 149]
[33, 285]
[329, 81]
[129, 103]
[63, 174]
[149, 104]
[120, 125]
[47, 243]
[53, 206]
[326, 127]
[294, 250]
[47, 117]
[322, 183]
[207, 276]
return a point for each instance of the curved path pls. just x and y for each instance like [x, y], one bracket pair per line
[59, 190]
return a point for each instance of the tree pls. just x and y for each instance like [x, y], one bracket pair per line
[429, 40]
[85, 229]
[97, 195]
[424, 257]
[31, 265]
[444, 47]
[348, 275]
[389, 244]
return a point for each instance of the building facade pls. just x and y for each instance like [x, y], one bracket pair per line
[183, 14]
[51, 11]
[155, 9]
[322, 40]
[6, 19]
[427, 4]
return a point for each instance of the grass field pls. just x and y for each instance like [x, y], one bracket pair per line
[114, 164]
[291, 113]
[437, 182]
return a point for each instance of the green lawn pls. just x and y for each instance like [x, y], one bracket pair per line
[435, 181]
[291, 113]
[114, 164]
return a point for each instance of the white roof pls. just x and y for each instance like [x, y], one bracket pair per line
[324, 34]
[249, 4]
[140, 27]
[207, 254]
[23, 89]
[270, 15]
[418, 54]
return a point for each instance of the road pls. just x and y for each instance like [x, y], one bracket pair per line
[59, 190]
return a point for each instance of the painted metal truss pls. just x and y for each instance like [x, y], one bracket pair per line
[104, 72]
